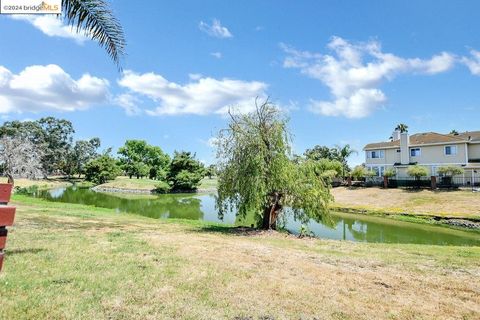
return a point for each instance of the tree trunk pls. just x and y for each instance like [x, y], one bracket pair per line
[10, 179]
[266, 218]
[271, 213]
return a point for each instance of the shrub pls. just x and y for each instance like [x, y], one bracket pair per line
[185, 172]
[162, 187]
[358, 172]
[102, 169]
[417, 172]
[450, 171]
[30, 190]
[390, 172]
[186, 180]
[369, 173]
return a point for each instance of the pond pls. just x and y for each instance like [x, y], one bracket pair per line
[341, 226]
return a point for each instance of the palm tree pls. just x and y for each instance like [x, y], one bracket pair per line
[454, 132]
[343, 154]
[97, 22]
[401, 127]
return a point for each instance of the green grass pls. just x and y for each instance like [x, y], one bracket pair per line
[66, 261]
[208, 183]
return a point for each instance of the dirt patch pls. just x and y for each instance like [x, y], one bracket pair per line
[460, 203]
[252, 275]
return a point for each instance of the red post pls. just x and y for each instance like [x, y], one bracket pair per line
[434, 182]
[7, 215]
[5, 192]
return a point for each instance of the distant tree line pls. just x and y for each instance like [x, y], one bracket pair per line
[47, 144]
[45, 147]
[182, 172]
[337, 155]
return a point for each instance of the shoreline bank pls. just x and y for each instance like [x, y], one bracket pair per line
[99, 188]
[456, 222]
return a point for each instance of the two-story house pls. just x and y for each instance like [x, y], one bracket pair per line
[429, 149]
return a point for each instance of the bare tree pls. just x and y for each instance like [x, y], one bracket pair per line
[20, 158]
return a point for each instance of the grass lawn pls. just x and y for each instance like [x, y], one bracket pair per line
[68, 261]
[460, 203]
[52, 182]
[148, 184]
[210, 184]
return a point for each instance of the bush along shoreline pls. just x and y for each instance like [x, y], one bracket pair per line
[100, 188]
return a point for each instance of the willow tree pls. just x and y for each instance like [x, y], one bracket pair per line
[256, 173]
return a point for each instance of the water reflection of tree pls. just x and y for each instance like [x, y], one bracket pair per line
[397, 232]
[190, 207]
[327, 220]
[171, 206]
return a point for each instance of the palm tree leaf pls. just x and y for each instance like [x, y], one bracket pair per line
[97, 21]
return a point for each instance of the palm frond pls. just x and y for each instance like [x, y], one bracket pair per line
[98, 22]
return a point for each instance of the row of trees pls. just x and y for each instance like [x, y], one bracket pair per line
[36, 149]
[182, 172]
[137, 159]
[415, 171]
[43, 147]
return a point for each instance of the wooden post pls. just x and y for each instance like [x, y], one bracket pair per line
[433, 182]
[5, 192]
[7, 215]
[385, 182]
[349, 181]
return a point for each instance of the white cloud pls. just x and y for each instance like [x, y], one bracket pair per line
[48, 88]
[215, 29]
[129, 103]
[353, 73]
[199, 96]
[210, 142]
[52, 26]
[217, 55]
[195, 76]
[473, 62]
[358, 105]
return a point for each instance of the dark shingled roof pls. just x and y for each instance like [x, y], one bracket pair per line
[427, 138]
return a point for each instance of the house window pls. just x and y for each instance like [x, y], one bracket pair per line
[379, 171]
[415, 152]
[376, 154]
[450, 150]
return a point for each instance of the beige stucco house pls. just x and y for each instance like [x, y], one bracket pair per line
[429, 149]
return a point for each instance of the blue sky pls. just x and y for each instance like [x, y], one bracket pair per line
[345, 71]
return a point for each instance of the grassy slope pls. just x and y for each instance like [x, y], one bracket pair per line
[53, 182]
[147, 184]
[74, 261]
[423, 202]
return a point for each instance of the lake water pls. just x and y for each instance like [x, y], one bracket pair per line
[340, 226]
